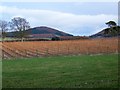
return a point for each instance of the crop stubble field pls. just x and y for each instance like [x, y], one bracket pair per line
[53, 48]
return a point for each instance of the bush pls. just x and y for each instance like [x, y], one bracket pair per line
[55, 39]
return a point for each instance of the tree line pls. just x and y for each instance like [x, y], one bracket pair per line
[18, 24]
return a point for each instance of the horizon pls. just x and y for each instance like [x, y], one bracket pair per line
[76, 18]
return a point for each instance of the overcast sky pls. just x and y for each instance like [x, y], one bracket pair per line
[77, 18]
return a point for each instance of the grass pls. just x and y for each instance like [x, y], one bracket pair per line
[12, 39]
[85, 71]
[9, 39]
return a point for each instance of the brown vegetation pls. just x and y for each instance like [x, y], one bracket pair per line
[53, 48]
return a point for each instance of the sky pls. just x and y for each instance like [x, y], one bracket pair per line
[76, 18]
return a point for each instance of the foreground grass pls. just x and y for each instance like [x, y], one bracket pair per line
[99, 71]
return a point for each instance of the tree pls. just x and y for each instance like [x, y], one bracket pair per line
[111, 24]
[3, 28]
[113, 29]
[19, 25]
[55, 39]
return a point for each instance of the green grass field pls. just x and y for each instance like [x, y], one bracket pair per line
[9, 39]
[85, 71]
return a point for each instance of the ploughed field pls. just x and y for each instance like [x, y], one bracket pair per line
[54, 48]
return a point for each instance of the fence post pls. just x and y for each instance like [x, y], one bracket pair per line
[79, 50]
[15, 54]
[107, 49]
[2, 54]
[37, 54]
[68, 50]
[26, 53]
[46, 51]
[88, 50]
[58, 50]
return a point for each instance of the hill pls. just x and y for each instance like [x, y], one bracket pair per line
[41, 32]
[108, 32]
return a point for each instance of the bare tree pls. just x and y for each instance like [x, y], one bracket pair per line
[3, 28]
[19, 25]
